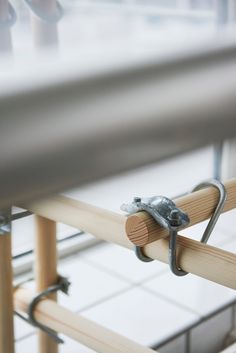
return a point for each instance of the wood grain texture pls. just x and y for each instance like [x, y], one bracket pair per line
[77, 327]
[142, 229]
[203, 260]
[6, 296]
[45, 270]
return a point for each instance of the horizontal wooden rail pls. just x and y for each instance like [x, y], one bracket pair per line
[87, 332]
[203, 260]
[142, 229]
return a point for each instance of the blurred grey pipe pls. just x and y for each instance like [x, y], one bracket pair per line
[44, 22]
[5, 34]
[69, 132]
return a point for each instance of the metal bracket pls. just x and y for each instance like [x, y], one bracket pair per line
[6, 217]
[169, 216]
[63, 285]
[5, 221]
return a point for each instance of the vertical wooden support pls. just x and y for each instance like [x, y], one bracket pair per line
[46, 270]
[6, 295]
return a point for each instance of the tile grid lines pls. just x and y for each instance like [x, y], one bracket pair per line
[118, 275]
[201, 320]
[230, 236]
[24, 337]
[192, 326]
[139, 284]
[169, 300]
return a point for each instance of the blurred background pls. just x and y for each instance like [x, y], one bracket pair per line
[42, 39]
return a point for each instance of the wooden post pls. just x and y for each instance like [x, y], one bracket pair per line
[6, 295]
[46, 270]
[85, 331]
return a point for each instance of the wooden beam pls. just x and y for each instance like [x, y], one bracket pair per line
[142, 229]
[79, 328]
[203, 260]
[6, 296]
[46, 270]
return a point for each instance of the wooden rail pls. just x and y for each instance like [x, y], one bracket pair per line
[142, 229]
[203, 260]
[89, 333]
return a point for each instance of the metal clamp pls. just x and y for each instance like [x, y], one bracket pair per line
[169, 216]
[166, 213]
[52, 18]
[63, 285]
[11, 18]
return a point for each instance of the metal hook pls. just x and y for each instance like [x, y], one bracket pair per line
[175, 221]
[211, 224]
[223, 195]
[63, 285]
[138, 250]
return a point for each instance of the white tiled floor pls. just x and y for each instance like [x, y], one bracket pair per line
[89, 285]
[22, 329]
[222, 233]
[122, 263]
[143, 301]
[141, 316]
[209, 336]
[197, 294]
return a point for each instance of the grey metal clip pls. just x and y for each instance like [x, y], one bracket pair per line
[6, 217]
[5, 221]
[63, 285]
[165, 212]
[169, 216]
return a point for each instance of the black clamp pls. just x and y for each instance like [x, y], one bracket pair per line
[10, 19]
[62, 285]
[49, 18]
